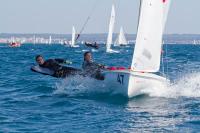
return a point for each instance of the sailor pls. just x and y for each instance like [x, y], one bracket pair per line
[77, 37]
[93, 45]
[54, 65]
[91, 68]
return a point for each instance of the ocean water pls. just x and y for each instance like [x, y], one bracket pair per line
[30, 102]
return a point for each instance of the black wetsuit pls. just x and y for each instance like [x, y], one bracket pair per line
[93, 69]
[59, 71]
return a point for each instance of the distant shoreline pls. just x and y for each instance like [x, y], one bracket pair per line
[44, 38]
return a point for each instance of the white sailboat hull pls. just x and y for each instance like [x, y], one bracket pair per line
[74, 46]
[130, 84]
[112, 51]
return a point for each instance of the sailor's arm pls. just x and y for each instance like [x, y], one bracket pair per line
[102, 66]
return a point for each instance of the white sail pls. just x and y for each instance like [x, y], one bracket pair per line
[73, 36]
[50, 40]
[194, 42]
[147, 51]
[111, 29]
[166, 10]
[121, 40]
[12, 39]
[34, 39]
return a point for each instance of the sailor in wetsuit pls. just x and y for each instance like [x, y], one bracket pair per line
[91, 68]
[54, 65]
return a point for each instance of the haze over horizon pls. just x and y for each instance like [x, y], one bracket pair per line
[51, 16]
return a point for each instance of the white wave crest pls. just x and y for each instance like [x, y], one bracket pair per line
[186, 86]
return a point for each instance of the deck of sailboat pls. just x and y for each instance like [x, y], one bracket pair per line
[137, 74]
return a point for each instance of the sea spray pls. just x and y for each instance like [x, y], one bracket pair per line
[79, 85]
[186, 86]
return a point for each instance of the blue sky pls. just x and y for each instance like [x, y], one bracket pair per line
[58, 16]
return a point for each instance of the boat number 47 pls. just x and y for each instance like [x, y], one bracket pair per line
[120, 79]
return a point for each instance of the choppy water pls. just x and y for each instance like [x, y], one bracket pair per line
[31, 102]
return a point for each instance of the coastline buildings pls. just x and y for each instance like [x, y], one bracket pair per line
[63, 39]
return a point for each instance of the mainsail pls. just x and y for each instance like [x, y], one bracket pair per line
[147, 52]
[111, 29]
[121, 40]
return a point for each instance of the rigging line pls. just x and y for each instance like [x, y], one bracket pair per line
[167, 71]
[88, 18]
[163, 68]
[139, 14]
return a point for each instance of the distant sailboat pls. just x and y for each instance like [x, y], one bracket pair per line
[34, 39]
[121, 40]
[73, 41]
[50, 40]
[14, 43]
[111, 30]
[195, 42]
[147, 53]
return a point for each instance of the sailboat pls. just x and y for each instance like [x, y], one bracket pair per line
[50, 40]
[34, 39]
[14, 43]
[110, 32]
[147, 53]
[195, 42]
[73, 41]
[121, 40]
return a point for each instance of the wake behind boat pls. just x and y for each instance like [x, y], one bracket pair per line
[112, 51]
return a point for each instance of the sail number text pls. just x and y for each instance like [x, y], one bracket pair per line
[120, 79]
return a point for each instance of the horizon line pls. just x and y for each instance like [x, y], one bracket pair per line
[95, 33]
